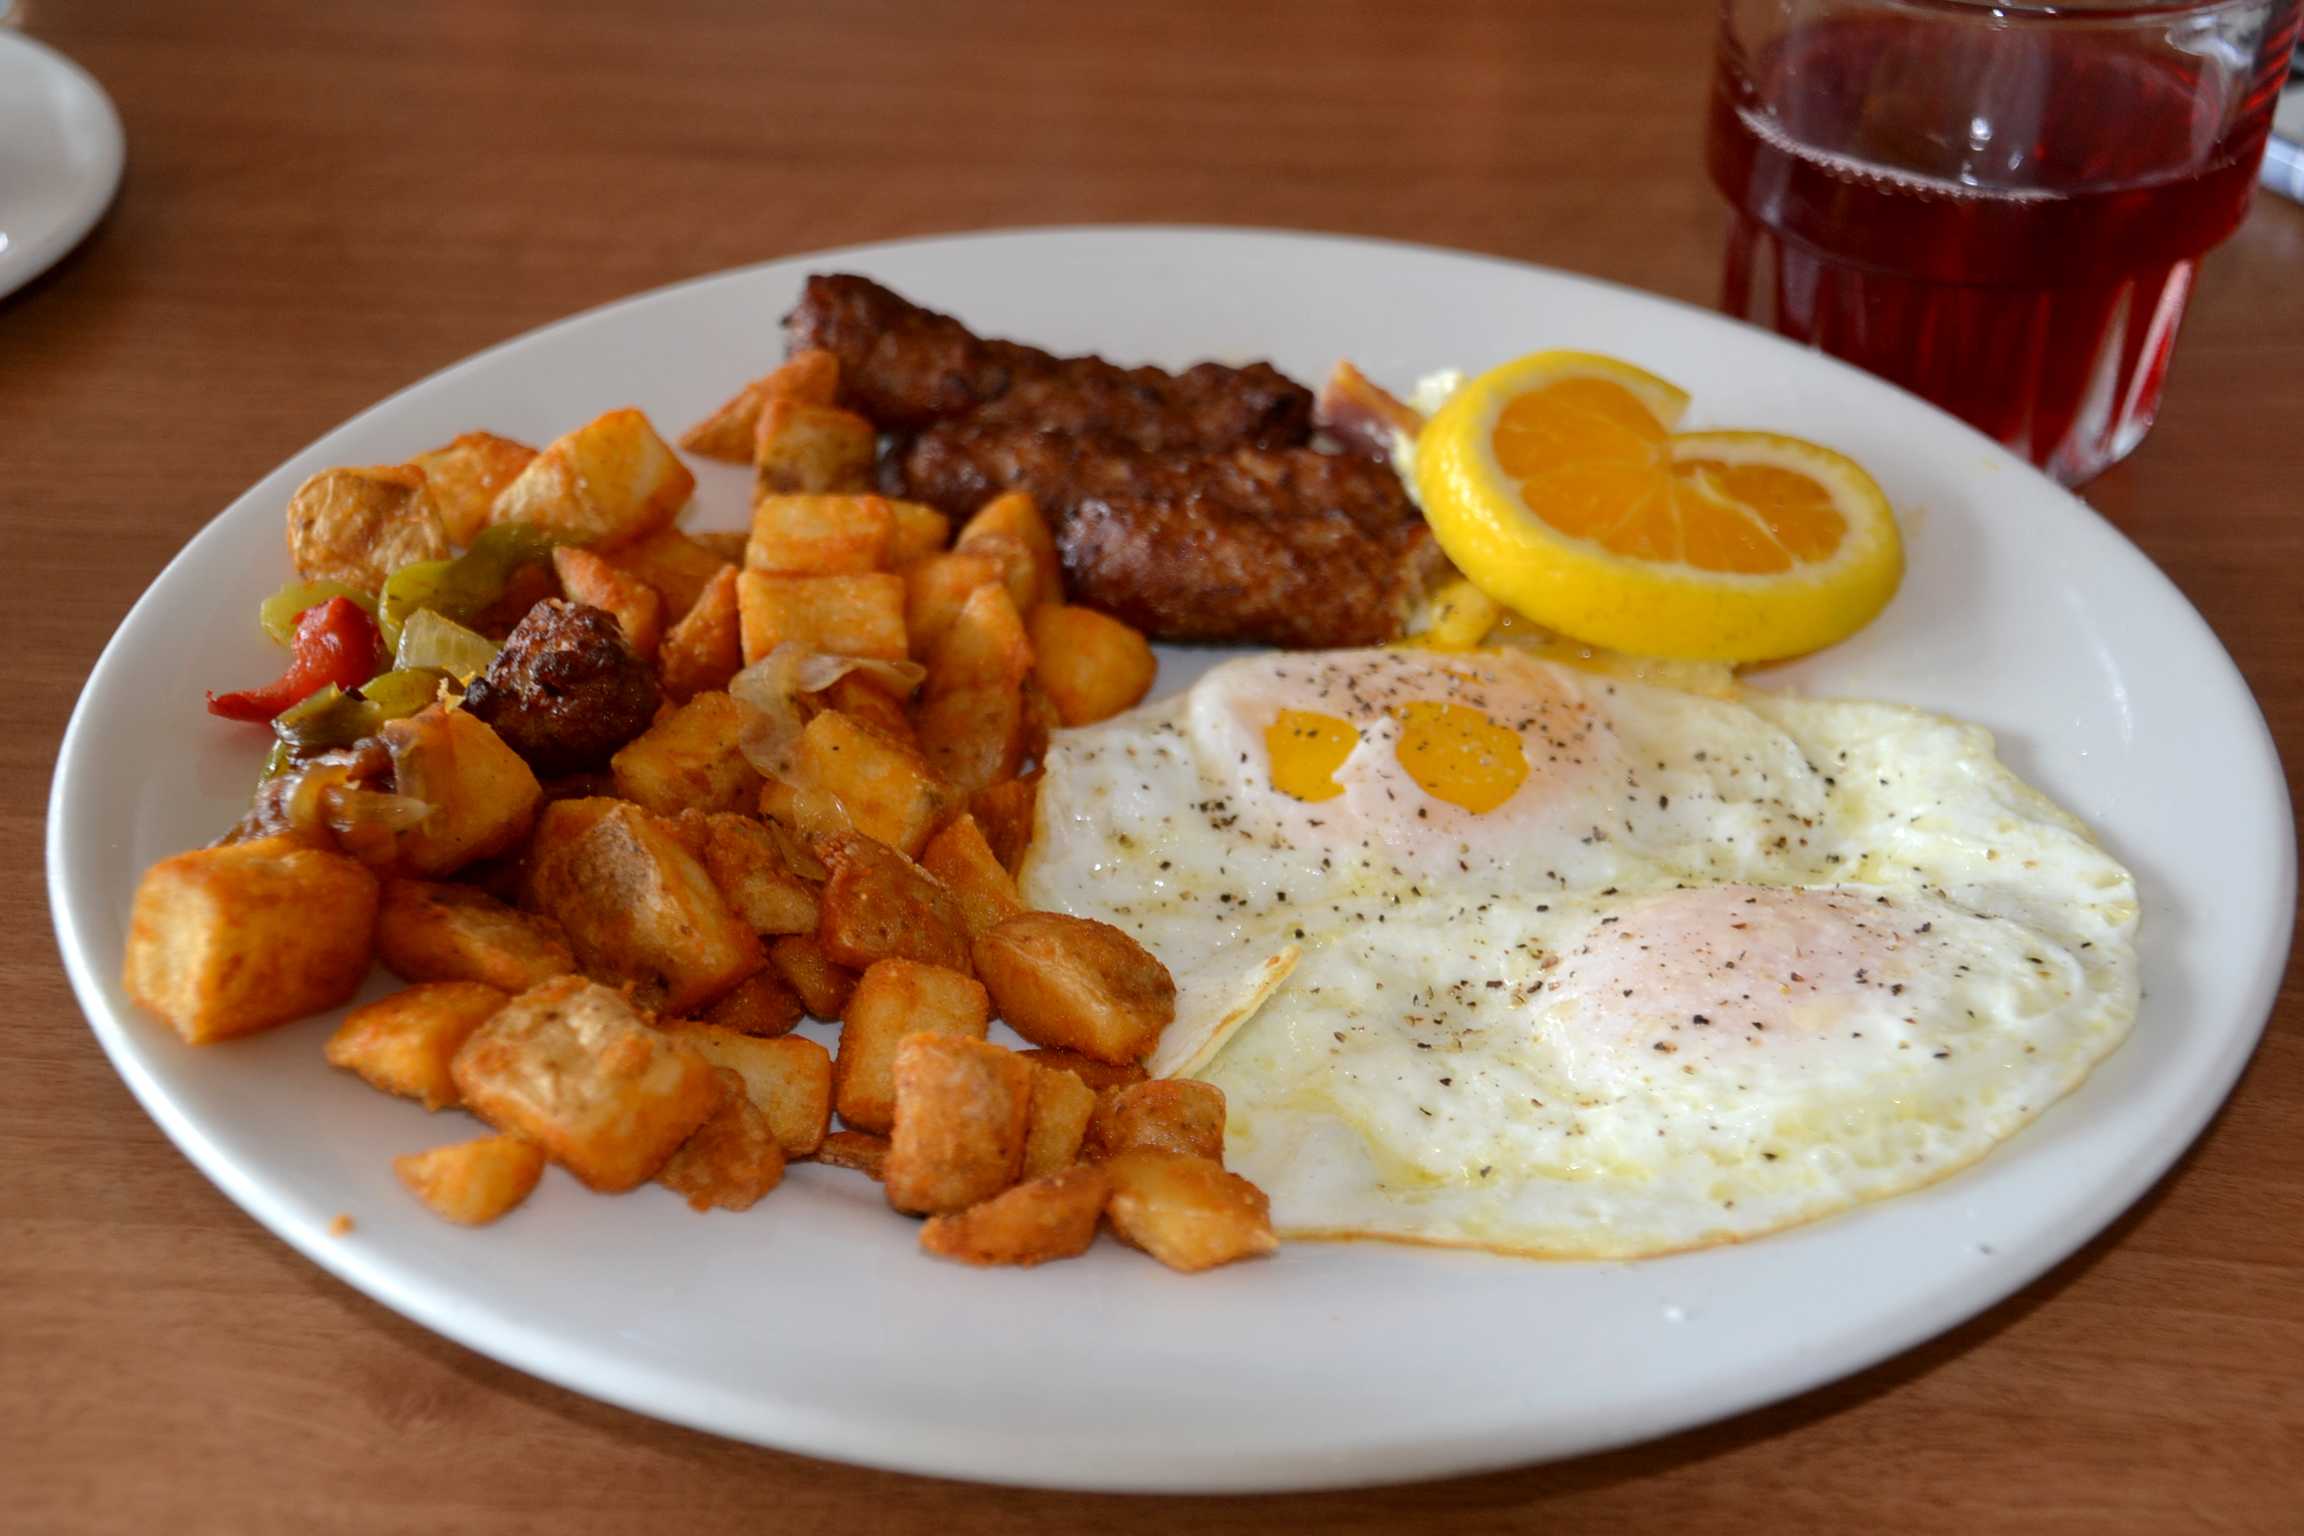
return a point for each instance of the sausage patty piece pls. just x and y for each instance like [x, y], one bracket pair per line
[566, 690]
[908, 368]
[1286, 547]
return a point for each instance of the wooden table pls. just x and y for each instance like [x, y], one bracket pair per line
[323, 204]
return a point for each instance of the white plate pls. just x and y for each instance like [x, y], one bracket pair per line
[812, 1324]
[60, 157]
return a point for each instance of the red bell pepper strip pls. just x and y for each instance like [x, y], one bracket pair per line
[336, 642]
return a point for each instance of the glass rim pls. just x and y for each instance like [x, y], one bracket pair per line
[2053, 12]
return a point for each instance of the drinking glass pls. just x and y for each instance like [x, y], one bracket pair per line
[1998, 206]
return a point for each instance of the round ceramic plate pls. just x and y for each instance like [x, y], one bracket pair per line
[812, 1323]
[60, 157]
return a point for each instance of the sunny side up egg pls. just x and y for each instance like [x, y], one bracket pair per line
[1487, 950]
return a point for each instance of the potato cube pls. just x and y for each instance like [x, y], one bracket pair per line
[729, 1161]
[813, 448]
[466, 476]
[788, 1078]
[1076, 983]
[430, 932]
[748, 862]
[607, 483]
[705, 649]
[1098, 1075]
[812, 375]
[639, 907]
[1048, 1218]
[935, 588]
[1092, 665]
[1171, 1114]
[404, 1043]
[1062, 1107]
[1013, 557]
[727, 543]
[358, 526]
[973, 737]
[962, 1108]
[558, 826]
[896, 998]
[473, 1182]
[867, 699]
[483, 796]
[228, 940]
[860, 1150]
[920, 530]
[824, 988]
[573, 1067]
[636, 607]
[762, 1005]
[690, 759]
[885, 786]
[1186, 1211]
[959, 856]
[804, 812]
[673, 566]
[861, 615]
[879, 904]
[1006, 811]
[1015, 515]
[819, 535]
[985, 646]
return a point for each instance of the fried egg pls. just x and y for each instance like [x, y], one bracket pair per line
[1488, 950]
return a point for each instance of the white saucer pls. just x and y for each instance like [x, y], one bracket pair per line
[60, 156]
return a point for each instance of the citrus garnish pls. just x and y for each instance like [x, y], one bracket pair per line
[1558, 485]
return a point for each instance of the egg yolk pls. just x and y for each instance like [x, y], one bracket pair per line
[1457, 754]
[1306, 750]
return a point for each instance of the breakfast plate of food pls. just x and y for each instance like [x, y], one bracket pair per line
[1170, 859]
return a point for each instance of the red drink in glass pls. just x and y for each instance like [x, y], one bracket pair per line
[2000, 209]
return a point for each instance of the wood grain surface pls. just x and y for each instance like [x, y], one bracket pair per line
[324, 203]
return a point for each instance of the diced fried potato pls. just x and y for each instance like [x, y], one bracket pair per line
[637, 608]
[473, 1182]
[878, 904]
[962, 1108]
[935, 587]
[1098, 1075]
[1013, 557]
[887, 788]
[483, 796]
[860, 1150]
[727, 543]
[985, 646]
[558, 825]
[228, 940]
[824, 987]
[466, 476]
[973, 737]
[753, 869]
[403, 1043]
[855, 693]
[1076, 983]
[431, 932]
[638, 907]
[1062, 1107]
[807, 813]
[729, 1161]
[572, 1066]
[1171, 1114]
[673, 566]
[1047, 1218]
[789, 1078]
[1039, 720]
[706, 648]
[819, 535]
[1092, 665]
[961, 858]
[690, 760]
[1006, 811]
[896, 998]
[1015, 515]
[761, 1005]
[1186, 1211]
[607, 483]
[861, 615]
[920, 531]
[811, 375]
[358, 526]
[813, 448]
